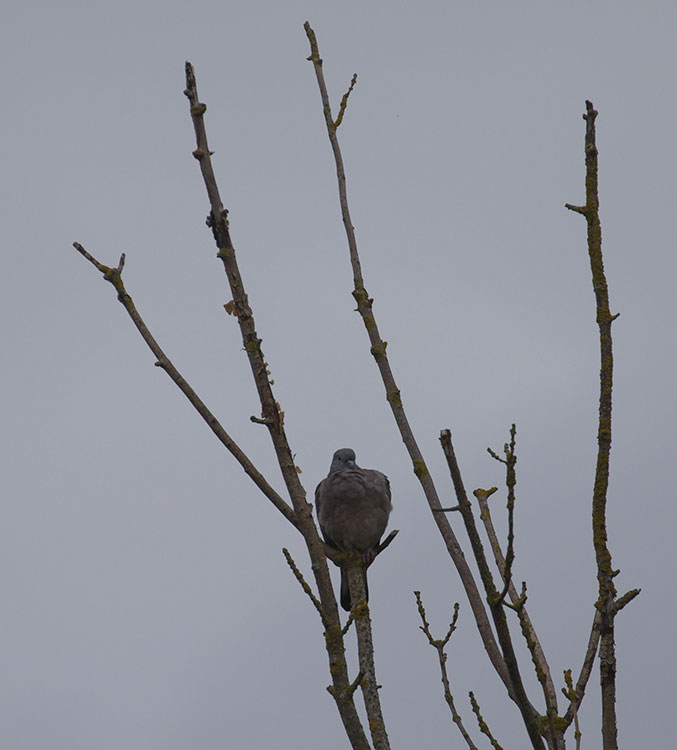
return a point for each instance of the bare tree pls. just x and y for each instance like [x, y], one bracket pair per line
[492, 604]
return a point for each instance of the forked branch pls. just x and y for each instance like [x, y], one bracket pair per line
[439, 645]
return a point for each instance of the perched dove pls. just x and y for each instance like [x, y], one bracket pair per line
[352, 506]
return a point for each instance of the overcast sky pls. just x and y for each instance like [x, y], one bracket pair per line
[146, 602]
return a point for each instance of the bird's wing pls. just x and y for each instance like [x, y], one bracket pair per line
[387, 486]
[318, 512]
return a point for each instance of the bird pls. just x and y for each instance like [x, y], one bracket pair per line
[352, 506]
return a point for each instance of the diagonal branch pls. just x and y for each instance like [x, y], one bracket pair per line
[114, 276]
[273, 417]
[484, 728]
[529, 714]
[304, 585]
[271, 413]
[586, 668]
[378, 350]
[536, 650]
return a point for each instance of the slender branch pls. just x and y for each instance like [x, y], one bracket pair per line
[273, 418]
[439, 645]
[605, 573]
[349, 622]
[344, 102]
[271, 413]
[586, 668]
[528, 631]
[304, 584]
[625, 599]
[510, 481]
[341, 688]
[484, 728]
[378, 350]
[357, 681]
[354, 568]
[114, 276]
[555, 727]
[574, 700]
[385, 543]
[529, 713]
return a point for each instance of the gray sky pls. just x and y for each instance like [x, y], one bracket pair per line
[146, 601]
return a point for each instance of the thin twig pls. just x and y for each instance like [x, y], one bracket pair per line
[447, 510]
[344, 102]
[510, 481]
[357, 681]
[439, 645]
[575, 701]
[586, 667]
[625, 599]
[349, 622]
[484, 728]
[385, 543]
[304, 584]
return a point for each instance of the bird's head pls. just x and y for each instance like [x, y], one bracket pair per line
[344, 458]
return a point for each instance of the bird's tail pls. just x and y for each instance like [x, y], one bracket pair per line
[345, 589]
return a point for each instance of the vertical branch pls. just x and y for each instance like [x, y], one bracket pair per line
[510, 481]
[378, 350]
[365, 649]
[273, 417]
[605, 573]
[575, 701]
[505, 568]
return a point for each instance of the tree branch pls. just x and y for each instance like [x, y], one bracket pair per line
[354, 567]
[529, 714]
[439, 645]
[304, 585]
[586, 668]
[538, 657]
[273, 417]
[605, 573]
[556, 738]
[484, 728]
[575, 702]
[378, 350]
[114, 276]
[510, 480]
